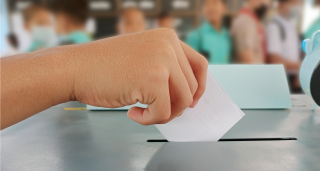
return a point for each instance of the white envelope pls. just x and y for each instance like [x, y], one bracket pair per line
[214, 115]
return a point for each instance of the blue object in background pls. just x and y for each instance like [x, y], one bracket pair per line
[254, 86]
[249, 86]
[304, 43]
[4, 26]
[310, 69]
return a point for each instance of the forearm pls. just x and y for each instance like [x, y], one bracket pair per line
[33, 82]
[151, 67]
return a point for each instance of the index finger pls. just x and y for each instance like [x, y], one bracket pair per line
[199, 65]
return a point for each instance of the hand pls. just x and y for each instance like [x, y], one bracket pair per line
[152, 68]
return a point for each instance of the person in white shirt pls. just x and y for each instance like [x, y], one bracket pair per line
[283, 46]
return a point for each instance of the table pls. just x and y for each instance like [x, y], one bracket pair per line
[57, 139]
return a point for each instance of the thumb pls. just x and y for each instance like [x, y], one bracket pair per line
[157, 112]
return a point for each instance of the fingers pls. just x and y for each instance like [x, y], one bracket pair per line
[172, 97]
[199, 67]
[157, 112]
[186, 69]
[183, 87]
[180, 93]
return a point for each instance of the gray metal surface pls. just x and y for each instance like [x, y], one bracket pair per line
[56, 139]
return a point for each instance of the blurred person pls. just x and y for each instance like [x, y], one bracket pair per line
[248, 33]
[71, 17]
[283, 40]
[165, 20]
[131, 20]
[13, 45]
[39, 23]
[282, 36]
[315, 26]
[212, 39]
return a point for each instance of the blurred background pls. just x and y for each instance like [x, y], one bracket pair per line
[224, 31]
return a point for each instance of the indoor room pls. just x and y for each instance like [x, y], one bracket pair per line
[160, 85]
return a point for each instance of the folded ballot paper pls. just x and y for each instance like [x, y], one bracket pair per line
[214, 115]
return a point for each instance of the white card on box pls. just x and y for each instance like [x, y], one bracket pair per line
[214, 115]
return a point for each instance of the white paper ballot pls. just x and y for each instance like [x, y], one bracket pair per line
[214, 115]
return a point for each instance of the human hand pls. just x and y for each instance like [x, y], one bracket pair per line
[152, 68]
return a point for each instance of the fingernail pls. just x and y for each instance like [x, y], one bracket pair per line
[194, 103]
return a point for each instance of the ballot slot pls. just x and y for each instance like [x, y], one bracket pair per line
[213, 116]
[239, 139]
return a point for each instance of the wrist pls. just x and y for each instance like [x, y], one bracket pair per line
[61, 69]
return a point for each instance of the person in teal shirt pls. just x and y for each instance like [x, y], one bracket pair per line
[212, 39]
[78, 37]
[71, 17]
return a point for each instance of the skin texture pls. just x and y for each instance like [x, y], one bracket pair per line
[131, 21]
[151, 67]
[214, 11]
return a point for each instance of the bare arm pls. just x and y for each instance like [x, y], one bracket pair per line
[33, 82]
[244, 38]
[153, 67]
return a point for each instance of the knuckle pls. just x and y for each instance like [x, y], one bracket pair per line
[165, 116]
[194, 87]
[167, 35]
[159, 75]
[168, 32]
[188, 101]
[203, 63]
[201, 90]
[161, 51]
[171, 33]
[165, 50]
[164, 120]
